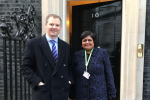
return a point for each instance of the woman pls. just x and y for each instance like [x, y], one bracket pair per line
[92, 71]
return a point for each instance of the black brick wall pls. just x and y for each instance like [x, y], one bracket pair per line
[146, 80]
[6, 8]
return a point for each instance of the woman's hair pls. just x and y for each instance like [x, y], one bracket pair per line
[88, 33]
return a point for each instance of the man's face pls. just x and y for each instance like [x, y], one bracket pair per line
[53, 27]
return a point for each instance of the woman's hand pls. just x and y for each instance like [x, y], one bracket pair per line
[71, 99]
[110, 98]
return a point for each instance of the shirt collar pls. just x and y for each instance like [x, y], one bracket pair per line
[48, 39]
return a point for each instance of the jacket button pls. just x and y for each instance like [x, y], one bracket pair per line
[64, 65]
[45, 64]
[62, 76]
[62, 88]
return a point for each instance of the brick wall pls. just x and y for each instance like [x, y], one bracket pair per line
[146, 80]
[6, 8]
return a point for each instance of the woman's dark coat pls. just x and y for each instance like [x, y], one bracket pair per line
[100, 85]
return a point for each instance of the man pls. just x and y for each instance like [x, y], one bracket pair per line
[46, 63]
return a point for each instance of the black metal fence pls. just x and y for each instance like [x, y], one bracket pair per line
[12, 46]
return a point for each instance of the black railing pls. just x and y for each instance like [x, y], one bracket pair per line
[13, 44]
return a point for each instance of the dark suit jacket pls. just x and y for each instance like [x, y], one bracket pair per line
[38, 65]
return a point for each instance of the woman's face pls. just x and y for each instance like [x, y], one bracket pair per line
[87, 43]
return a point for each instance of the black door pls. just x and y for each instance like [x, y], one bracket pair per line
[104, 19]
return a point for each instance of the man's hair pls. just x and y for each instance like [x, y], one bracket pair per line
[54, 16]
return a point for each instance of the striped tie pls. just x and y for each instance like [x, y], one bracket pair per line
[54, 51]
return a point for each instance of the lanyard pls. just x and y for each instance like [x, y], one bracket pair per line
[87, 62]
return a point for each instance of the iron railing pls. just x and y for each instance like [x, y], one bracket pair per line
[13, 44]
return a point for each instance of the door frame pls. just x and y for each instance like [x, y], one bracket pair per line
[133, 33]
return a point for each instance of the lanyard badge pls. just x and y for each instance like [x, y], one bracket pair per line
[87, 74]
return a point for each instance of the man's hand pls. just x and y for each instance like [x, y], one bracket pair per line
[41, 83]
[69, 82]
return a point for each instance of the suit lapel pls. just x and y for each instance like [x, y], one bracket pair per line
[61, 52]
[47, 52]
